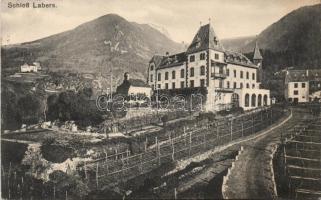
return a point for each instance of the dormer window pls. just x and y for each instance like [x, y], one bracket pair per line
[192, 58]
[215, 40]
[151, 67]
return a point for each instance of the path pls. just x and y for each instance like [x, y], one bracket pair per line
[252, 177]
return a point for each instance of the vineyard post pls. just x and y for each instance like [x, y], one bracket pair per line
[146, 141]
[242, 127]
[173, 150]
[271, 114]
[54, 191]
[204, 140]
[231, 129]
[141, 163]
[190, 143]
[185, 134]
[85, 170]
[97, 175]
[253, 123]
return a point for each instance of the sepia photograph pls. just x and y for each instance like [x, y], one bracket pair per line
[160, 99]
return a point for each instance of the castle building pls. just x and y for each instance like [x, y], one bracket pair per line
[228, 78]
[302, 86]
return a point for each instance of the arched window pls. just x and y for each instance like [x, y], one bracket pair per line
[265, 100]
[151, 67]
[259, 100]
[182, 73]
[166, 75]
[192, 72]
[253, 100]
[247, 100]
[247, 85]
[173, 74]
[202, 70]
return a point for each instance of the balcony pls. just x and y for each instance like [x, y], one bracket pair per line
[224, 90]
[218, 75]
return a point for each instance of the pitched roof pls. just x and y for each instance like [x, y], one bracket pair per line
[303, 75]
[257, 54]
[205, 39]
[173, 60]
[238, 58]
[157, 59]
[137, 83]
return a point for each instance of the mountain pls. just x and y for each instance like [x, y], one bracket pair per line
[294, 40]
[97, 46]
[161, 29]
[235, 44]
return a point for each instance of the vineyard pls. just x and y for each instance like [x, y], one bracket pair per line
[302, 160]
[118, 168]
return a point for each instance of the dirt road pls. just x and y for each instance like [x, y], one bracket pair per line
[252, 177]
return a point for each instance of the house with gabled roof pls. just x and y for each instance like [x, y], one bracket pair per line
[134, 87]
[229, 78]
[302, 86]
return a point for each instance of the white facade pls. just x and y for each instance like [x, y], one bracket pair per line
[140, 90]
[298, 92]
[30, 68]
[229, 78]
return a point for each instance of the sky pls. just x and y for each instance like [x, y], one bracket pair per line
[181, 18]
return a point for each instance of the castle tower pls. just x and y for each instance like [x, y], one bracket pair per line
[257, 60]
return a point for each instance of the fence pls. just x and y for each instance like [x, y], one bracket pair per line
[301, 157]
[190, 141]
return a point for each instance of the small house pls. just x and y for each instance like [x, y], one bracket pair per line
[134, 87]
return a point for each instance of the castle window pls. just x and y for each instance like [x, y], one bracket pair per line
[192, 58]
[182, 73]
[166, 86]
[173, 85]
[234, 86]
[228, 72]
[173, 74]
[247, 75]
[166, 75]
[159, 86]
[295, 85]
[228, 84]
[159, 78]
[151, 78]
[253, 76]
[151, 67]
[241, 85]
[202, 70]
[303, 85]
[234, 73]
[202, 83]
[216, 56]
[295, 92]
[241, 75]
[202, 56]
[192, 72]
[253, 85]
[247, 85]
[220, 83]
[191, 83]
[182, 84]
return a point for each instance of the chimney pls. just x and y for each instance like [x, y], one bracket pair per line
[126, 76]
